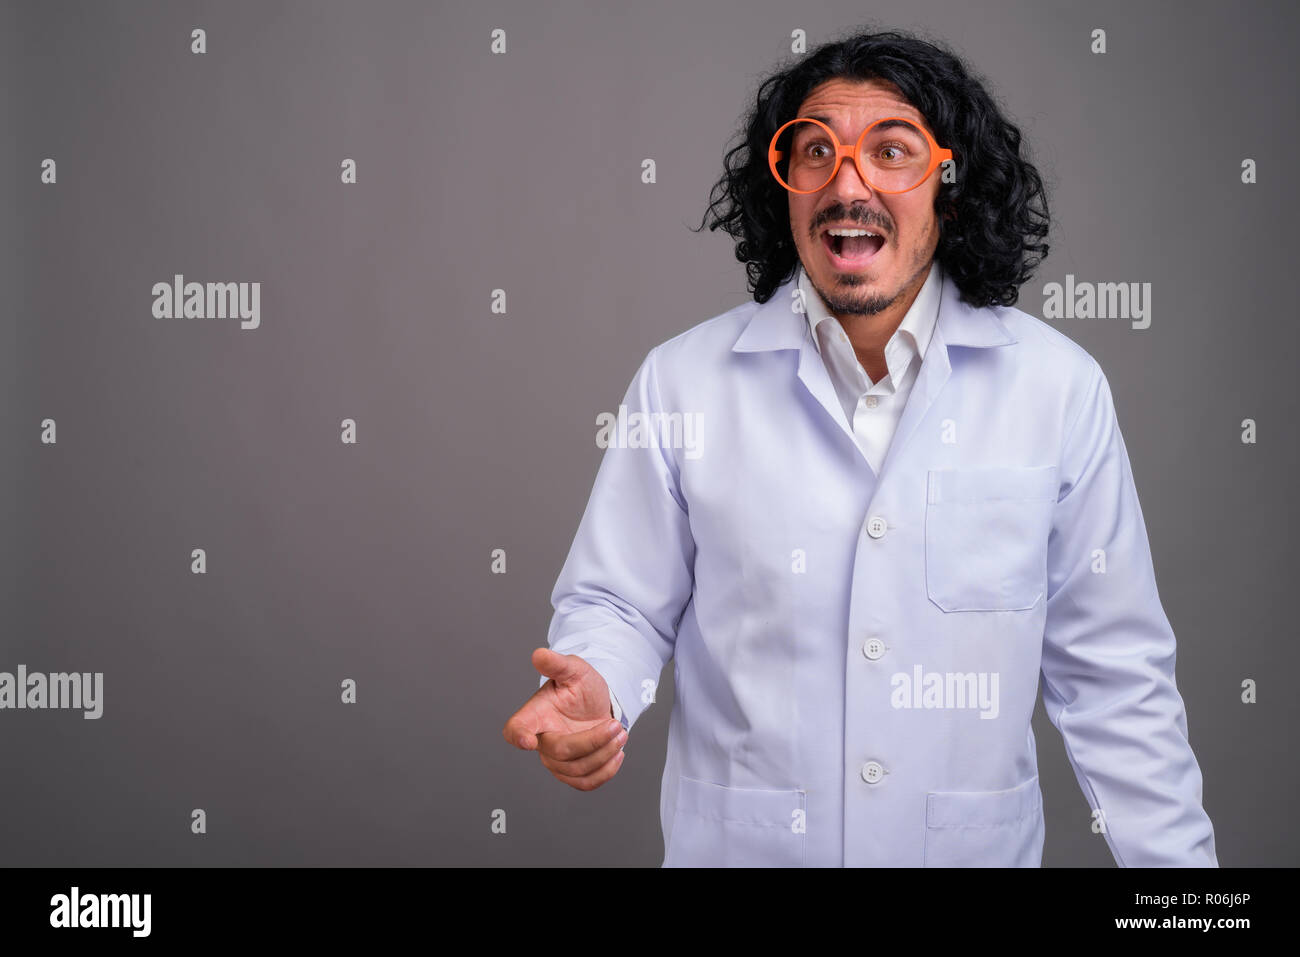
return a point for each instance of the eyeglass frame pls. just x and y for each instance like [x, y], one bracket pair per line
[938, 155]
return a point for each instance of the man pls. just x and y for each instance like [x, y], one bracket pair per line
[905, 501]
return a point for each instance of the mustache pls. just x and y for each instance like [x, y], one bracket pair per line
[861, 222]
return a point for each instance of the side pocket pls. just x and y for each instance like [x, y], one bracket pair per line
[985, 828]
[718, 826]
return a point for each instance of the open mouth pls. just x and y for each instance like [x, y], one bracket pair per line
[852, 252]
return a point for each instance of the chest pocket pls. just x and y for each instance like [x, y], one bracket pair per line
[986, 535]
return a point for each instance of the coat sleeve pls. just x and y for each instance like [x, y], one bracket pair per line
[1108, 656]
[629, 573]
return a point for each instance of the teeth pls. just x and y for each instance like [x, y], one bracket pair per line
[851, 232]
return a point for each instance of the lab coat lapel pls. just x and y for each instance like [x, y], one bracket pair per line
[779, 324]
[959, 325]
[935, 370]
[813, 374]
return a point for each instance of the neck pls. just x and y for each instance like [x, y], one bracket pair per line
[869, 333]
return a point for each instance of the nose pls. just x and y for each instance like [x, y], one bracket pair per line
[848, 182]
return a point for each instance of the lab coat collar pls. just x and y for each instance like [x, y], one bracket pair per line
[777, 325]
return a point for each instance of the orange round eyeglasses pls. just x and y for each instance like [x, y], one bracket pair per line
[893, 155]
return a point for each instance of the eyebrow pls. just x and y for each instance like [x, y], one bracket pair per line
[884, 126]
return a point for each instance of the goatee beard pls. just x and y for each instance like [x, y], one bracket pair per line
[870, 305]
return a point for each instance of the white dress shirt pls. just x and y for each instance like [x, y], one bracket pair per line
[873, 409]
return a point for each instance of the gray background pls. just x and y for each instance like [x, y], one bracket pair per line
[522, 171]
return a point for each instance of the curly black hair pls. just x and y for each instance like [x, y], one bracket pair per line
[992, 219]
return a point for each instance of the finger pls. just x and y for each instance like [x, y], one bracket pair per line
[581, 767]
[578, 744]
[560, 667]
[522, 728]
[593, 781]
[519, 735]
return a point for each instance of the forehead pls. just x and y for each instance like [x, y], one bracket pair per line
[856, 103]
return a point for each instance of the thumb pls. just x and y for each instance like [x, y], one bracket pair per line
[563, 668]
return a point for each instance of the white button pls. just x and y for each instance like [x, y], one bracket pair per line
[873, 648]
[873, 401]
[876, 526]
[872, 772]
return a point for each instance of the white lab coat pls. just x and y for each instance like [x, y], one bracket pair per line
[856, 657]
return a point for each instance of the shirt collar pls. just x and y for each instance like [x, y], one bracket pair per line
[918, 322]
[780, 321]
